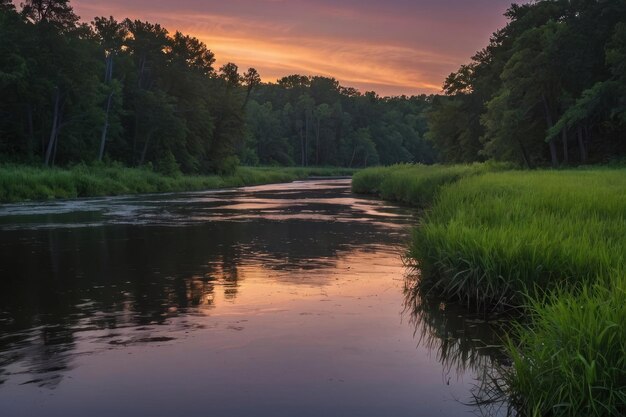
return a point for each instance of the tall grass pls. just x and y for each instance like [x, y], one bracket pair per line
[571, 360]
[553, 242]
[415, 185]
[490, 239]
[23, 183]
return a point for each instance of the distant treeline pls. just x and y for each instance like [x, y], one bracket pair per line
[550, 88]
[131, 92]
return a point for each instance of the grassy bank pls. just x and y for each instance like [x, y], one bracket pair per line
[553, 241]
[490, 239]
[415, 185]
[24, 183]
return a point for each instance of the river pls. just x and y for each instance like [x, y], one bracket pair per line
[276, 300]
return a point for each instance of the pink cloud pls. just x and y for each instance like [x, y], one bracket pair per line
[393, 47]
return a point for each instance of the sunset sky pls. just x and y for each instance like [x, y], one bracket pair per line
[392, 47]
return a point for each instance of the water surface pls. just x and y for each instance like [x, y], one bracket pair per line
[279, 300]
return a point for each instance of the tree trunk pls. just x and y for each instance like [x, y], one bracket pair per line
[565, 147]
[553, 154]
[56, 145]
[525, 155]
[581, 146]
[145, 149]
[31, 130]
[55, 127]
[306, 138]
[105, 128]
[317, 143]
[245, 102]
[352, 159]
[302, 145]
[142, 67]
[108, 74]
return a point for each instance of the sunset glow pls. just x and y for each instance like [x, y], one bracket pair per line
[396, 47]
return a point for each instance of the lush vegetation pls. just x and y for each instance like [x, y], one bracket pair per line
[20, 183]
[490, 238]
[550, 88]
[415, 185]
[551, 242]
[131, 92]
[571, 361]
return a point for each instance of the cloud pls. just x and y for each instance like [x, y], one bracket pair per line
[393, 47]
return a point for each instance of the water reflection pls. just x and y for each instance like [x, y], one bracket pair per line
[90, 268]
[462, 342]
[281, 299]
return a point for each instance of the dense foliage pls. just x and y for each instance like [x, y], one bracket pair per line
[132, 92]
[550, 88]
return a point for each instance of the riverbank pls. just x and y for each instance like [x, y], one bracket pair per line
[551, 242]
[26, 183]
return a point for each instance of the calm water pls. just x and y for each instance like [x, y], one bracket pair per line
[280, 300]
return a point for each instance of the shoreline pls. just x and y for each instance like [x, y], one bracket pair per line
[28, 184]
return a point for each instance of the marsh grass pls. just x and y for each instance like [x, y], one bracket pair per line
[550, 243]
[26, 183]
[415, 185]
[490, 239]
[571, 360]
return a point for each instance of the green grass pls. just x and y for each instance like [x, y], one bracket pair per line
[26, 183]
[415, 185]
[490, 239]
[550, 242]
[571, 360]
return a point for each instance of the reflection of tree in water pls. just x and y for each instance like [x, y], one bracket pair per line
[64, 286]
[463, 343]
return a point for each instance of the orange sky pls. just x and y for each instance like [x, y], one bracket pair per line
[392, 47]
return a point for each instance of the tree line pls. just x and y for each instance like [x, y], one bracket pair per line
[549, 89]
[130, 91]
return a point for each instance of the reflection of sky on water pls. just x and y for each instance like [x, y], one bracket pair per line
[323, 200]
[263, 301]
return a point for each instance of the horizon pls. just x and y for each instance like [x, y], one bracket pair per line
[422, 43]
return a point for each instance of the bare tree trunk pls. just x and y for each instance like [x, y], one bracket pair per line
[524, 154]
[565, 147]
[302, 145]
[108, 72]
[553, 154]
[247, 99]
[31, 130]
[352, 159]
[142, 67]
[105, 128]
[55, 127]
[581, 146]
[145, 149]
[136, 135]
[317, 143]
[306, 138]
[56, 145]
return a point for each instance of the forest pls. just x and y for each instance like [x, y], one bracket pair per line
[548, 90]
[131, 92]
